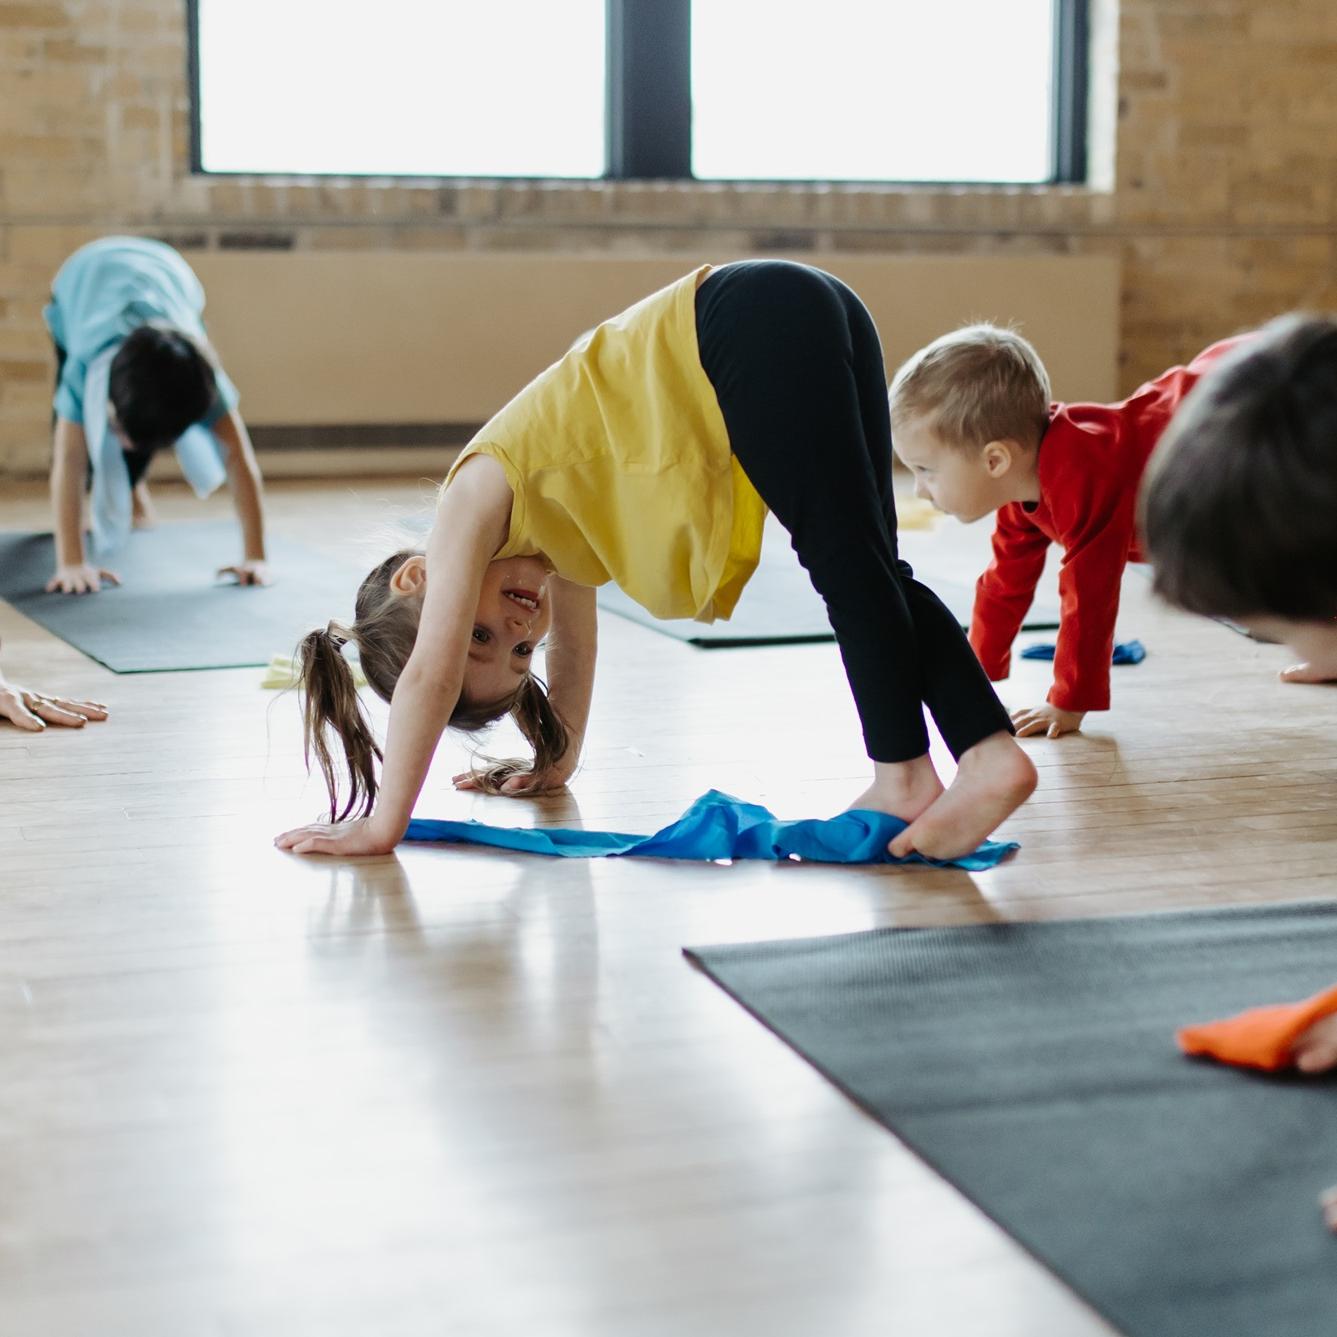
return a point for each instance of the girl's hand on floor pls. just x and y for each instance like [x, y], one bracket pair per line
[1046, 719]
[247, 573]
[80, 579]
[525, 784]
[33, 711]
[342, 839]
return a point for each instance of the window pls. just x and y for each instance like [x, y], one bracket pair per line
[400, 87]
[759, 90]
[924, 92]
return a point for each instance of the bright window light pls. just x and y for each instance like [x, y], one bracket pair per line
[954, 90]
[402, 87]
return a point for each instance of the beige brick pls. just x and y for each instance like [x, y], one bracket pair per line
[34, 14]
[27, 401]
[141, 117]
[72, 51]
[41, 245]
[19, 49]
[20, 369]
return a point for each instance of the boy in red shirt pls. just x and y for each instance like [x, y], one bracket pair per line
[972, 419]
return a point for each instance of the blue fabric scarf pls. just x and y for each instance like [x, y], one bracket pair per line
[718, 826]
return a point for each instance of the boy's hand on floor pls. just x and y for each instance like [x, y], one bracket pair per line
[247, 573]
[1046, 719]
[32, 711]
[81, 579]
[1307, 673]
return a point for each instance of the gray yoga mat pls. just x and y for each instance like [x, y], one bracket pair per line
[170, 613]
[779, 606]
[1034, 1066]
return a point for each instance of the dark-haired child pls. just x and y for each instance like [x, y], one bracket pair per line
[1239, 506]
[134, 373]
[649, 455]
[973, 421]
[1238, 512]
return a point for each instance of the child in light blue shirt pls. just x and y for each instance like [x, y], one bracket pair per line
[135, 373]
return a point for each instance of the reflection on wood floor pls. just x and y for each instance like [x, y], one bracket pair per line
[478, 1092]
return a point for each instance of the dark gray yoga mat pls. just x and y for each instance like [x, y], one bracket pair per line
[170, 613]
[1034, 1066]
[779, 606]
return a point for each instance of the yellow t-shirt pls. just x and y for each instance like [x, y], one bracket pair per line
[621, 468]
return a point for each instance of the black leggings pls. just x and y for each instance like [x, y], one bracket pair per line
[797, 367]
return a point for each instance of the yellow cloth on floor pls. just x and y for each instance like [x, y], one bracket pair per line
[282, 672]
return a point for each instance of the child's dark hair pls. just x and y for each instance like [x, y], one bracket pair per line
[1240, 495]
[160, 382]
[385, 627]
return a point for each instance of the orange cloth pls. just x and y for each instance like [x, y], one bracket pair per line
[1261, 1038]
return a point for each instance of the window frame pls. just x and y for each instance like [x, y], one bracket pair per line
[648, 130]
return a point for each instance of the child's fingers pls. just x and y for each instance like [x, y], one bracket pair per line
[1304, 673]
[288, 839]
[58, 713]
[529, 786]
[15, 709]
[243, 575]
[1328, 1201]
[90, 710]
[1317, 1056]
[1055, 730]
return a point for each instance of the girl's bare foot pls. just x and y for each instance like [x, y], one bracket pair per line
[994, 778]
[1316, 1049]
[142, 513]
[902, 789]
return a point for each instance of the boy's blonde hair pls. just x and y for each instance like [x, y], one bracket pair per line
[978, 384]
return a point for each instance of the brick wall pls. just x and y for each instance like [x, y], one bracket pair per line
[1213, 131]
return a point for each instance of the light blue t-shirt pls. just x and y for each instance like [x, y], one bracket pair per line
[111, 287]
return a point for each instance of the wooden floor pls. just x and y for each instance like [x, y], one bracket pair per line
[446, 1092]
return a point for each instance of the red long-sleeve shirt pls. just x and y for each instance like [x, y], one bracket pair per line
[1090, 465]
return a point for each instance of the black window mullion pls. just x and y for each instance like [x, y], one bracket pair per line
[1071, 43]
[649, 89]
[193, 85]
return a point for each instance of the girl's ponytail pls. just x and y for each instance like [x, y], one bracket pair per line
[541, 725]
[330, 701]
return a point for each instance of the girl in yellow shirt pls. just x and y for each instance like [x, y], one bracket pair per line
[649, 456]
